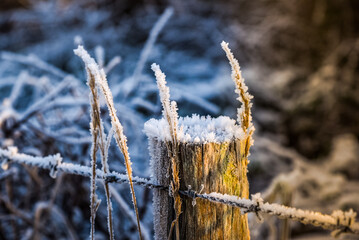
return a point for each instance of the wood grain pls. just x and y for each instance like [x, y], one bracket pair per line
[219, 167]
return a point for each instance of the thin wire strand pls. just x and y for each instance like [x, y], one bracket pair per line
[331, 222]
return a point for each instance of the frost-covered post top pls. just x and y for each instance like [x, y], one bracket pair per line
[210, 159]
[196, 129]
[203, 154]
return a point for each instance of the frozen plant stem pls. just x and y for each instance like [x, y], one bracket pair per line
[121, 140]
[218, 166]
[244, 115]
[98, 136]
[145, 53]
[94, 133]
[244, 118]
[170, 114]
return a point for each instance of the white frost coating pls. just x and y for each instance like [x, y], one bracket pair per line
[337, 220]
[112, 63]
[48, 162]
[160, 198]
[33, 60]
[258, 199]
[334, 221]
[164, 93]
[169, 108]
[48, 97]
[100, 56]
[121, 140]
[241, 90]
[145, 53]
[101, 81]
[196, 129]
[229, 198]
[98, 135]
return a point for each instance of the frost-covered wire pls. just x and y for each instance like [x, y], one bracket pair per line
[338, 221]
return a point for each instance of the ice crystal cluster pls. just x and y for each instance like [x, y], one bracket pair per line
[196, 129]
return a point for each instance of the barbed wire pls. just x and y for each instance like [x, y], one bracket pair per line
[338, 221]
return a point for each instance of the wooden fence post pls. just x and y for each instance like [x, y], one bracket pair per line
[204, 166]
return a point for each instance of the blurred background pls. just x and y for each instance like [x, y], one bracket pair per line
[300, 60]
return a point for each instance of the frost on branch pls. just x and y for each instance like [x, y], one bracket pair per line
[98, 142]
[100, 80]
[170, 114]
[244, 115]
[169, 108]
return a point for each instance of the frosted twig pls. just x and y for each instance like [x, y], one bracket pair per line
[112, 63]
[62, 138]
[170, 114]
[19, 214]
[121, 140]
[96, 128]
[33, 60]
[337, 221]
[161, 22]
[244, 115]
[46, 206]
[169, 111]
[64, 102]
[99, 138]
[40, 105]
[127, 211]
[8, 173]
[16, 89]
[37, 106]
[100, 56]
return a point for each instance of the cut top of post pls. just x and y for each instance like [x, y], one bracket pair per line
[196, 129]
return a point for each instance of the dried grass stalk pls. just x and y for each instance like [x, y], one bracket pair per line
[98, 136]
[94, 132]
[170, 114]
[244, 118]
[244, 114]
[121, 140]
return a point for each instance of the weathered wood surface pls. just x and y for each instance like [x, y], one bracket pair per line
[219, 168]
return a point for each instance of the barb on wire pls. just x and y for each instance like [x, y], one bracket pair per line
[338, 221]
